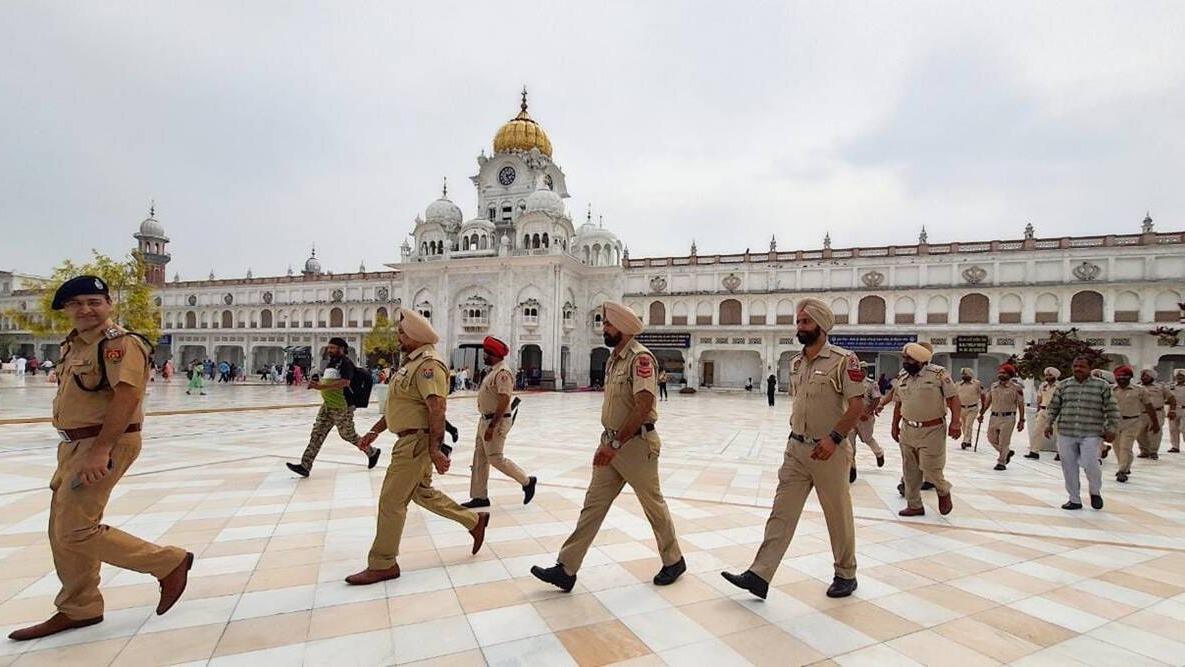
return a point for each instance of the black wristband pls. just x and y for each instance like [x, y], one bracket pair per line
[835, 437]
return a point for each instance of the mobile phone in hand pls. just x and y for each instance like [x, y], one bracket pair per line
[75, 483]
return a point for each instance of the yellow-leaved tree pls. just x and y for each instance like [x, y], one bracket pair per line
[382, 343]
[136, 307]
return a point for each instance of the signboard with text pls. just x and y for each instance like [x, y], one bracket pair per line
[658, 339]
[971, 344]
[872, 342]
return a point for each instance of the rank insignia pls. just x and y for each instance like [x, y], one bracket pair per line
[643, 368]
[427, 373]
[855, 373]
[113, 355]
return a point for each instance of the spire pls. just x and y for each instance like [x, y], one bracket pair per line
[523, 106]
[923, 238]
[151, 208]
[773, 243]
[827, 241]
[1029, 231]
[444, 189]
[250, 275]
[211, 274]
[176, 277]
[362, 267]
[289, 269]
[601, 221]
[588, 217]
[1147, 226]
[314, 250]
[693, 249]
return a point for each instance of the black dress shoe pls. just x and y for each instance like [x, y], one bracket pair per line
[748, 581]
[529, 490]
[1096, 501]
[556, 576]
[1032, 455]
[669, 573]
[1154, 456]
[373, 459]
[1000, 466]
[841, 588]
[1143, 455]
[880, 460]
[1120, 477]
[852, 476]
[477, 502]
[901, 488]
[927, 486]
[298, 469]
[965, 445]
[1010, 453]
[1072, 506]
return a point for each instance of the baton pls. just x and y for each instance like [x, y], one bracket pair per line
[978, 428]
[514, 409]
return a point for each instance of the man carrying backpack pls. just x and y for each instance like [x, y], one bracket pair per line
[336, 410]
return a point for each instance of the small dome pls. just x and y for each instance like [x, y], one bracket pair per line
[478, 223]
[312, 264]
[522, 133]
[443, 211]
[150, 227]
[543, 200]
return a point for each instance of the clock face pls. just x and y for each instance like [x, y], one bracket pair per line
[506, 175]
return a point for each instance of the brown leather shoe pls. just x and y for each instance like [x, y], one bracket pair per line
[479, 531]
[173, 585]
[912, 511]
[59, 622]
[945, 505]
[368, 576]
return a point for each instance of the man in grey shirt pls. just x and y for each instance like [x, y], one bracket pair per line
[1085, 413]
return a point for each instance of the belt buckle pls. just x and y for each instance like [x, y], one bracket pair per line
[63, 435]
[915, 424]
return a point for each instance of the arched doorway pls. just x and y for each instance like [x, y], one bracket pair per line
[730, 312]
[228, 320]
[335, 317]
[1166, 365]
[596, 366]
[531, 362]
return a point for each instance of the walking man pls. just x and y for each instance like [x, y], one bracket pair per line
[335, 410]
[663, 379]
[98, 412]
[827, 401]
[1150, 426]
[771, 387]
[1037, 437]
[493, 402]
[416, 402]
[1085, 412]
[971, 397]
[1134, 408]
[628, 454]
[1176, 417]
[1006, 400]
[920, 402]
[866, 423]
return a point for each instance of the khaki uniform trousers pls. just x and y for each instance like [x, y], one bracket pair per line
[1129, 429]
[999, 433]
[863, 430]
[486, 454]
[409, 478]
[923, 455]
[967, 423]
[636, 464]
[1177, 429]
[1037, 440]
[797, 476]
[81, 543]
[1148, 440]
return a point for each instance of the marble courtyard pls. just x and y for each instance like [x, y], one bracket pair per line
[1008, 577]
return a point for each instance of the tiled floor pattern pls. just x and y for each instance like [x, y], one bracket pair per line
[1007, 578]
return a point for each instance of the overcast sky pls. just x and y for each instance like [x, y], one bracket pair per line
[260, 129]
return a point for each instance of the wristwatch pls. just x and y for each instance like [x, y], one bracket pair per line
[615, 444]
[835, 437]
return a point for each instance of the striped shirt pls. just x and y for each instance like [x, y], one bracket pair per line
[1084, 409]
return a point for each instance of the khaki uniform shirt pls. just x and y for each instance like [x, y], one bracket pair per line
[872, 394]
[923, 396]
[1133, 400]
[497, 383]
[626, 373]
[1178, 392]
[821, 388]
[1158, 394]
[422, 374]
[126, 360]
[1045, 394]
[1006, 397]
[969, 393]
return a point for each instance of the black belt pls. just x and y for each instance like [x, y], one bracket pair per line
[1130, 416]
[490, 415]
[642, 430]
[406, 432]
[924, 424]
[806, 440]
[972, 405]
[1003, 414]
[84, 432]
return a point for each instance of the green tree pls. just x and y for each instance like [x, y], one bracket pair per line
[382, 343]
[135, 303]
[1058, 351]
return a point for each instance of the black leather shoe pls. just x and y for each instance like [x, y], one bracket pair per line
[1010, 454]
[852, 476]
[901, 489]
[373, 459]
[880, 460]
[669, 573]
[1000, 466]
[555, 576]
[841, 588]
[965, 445]
[1154, 456]
[1120, 477]
[927, 486]
[1032, 455]
[1072, 506]
[1096, 501]
[298, 469]
[477, 502]
[529, 490]
[748, 581]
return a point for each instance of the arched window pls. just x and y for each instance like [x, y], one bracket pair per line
[937, 310]
[526, 241]
[757, 312]
[534, 241]
[870, 310]
[423, 248]
[190, 319]
[730, 312]
[841, 309]
[381, 314]
[703, 313]
[973, 309]
[785, 312]
[485, 242]
[1046, 311]
[228, 319]
[1086, 306]
[493, 213]
[473, 240]
[658, 313]
[335, 317]
[265, 319]
[465, 243]
[679, 314]
[905, 310]
[1010, 309]
[1166, 307]
[546, 242]
[1127, 307]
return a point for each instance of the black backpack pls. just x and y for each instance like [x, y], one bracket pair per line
[358, 393]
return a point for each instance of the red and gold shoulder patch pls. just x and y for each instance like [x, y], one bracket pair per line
[855, 373]
[427, 373]
[643, 367]
[113, 355]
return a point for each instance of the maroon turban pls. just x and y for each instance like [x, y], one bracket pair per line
[495, 347]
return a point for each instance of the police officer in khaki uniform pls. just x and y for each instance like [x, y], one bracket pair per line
[971, 397]
[919, 417]
[416, 400]
[827, 401]
[98, 412]
[1177, 418]
[628, 454]
[867, 422]
[1134, 410]
[1045, 391]
[493, 402]
[1151, 426]
[1006, 400]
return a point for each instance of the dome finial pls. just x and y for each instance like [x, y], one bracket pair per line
[314, 250]
[588, 217]
[444, 189]
[151, 207]
[523, 106]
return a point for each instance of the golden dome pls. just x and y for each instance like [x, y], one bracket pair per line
[522, 133]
